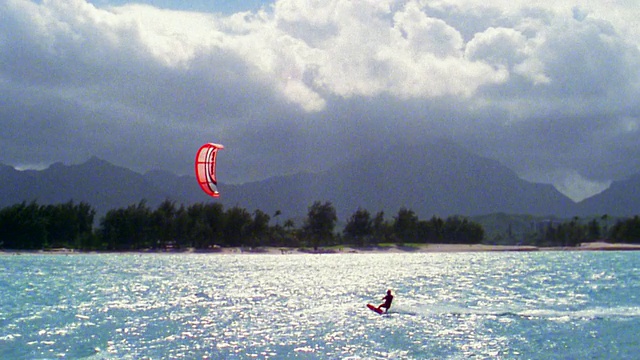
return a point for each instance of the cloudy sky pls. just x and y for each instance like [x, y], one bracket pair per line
[548, 88]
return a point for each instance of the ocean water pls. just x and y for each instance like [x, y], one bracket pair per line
[539, 305]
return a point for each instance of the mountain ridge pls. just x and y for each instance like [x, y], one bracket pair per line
[436, 178]
[432, 179]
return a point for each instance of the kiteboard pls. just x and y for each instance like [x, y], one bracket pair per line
[374, 309]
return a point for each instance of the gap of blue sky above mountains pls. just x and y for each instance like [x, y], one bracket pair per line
[226, 7]
[548, 88]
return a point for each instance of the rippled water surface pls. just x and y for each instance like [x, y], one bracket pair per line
[567, 305]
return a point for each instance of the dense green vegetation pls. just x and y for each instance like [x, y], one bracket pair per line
[503, 228]
[207, 226]
[32, 226]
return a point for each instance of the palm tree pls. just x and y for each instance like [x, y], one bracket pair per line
[605, 218]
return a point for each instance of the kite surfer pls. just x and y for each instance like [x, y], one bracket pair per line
[387, 302]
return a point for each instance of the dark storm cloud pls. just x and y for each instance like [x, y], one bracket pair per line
[549, 91]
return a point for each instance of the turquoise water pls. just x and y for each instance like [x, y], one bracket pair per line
[560, 305]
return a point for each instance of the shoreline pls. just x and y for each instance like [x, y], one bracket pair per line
[421, 248]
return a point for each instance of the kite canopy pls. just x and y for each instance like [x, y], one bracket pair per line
[206, 168]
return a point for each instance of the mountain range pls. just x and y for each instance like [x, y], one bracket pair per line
[436, 178]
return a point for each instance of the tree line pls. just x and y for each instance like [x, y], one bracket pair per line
[30, 226]
[574, 232]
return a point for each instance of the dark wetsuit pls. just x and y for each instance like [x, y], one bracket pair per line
[387, 302]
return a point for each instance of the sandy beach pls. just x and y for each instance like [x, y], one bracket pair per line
[417, 248]
[427, 248]
[413, 248]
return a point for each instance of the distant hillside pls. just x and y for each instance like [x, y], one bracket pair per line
[621, 199]
[436, 178]
[97, 182]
